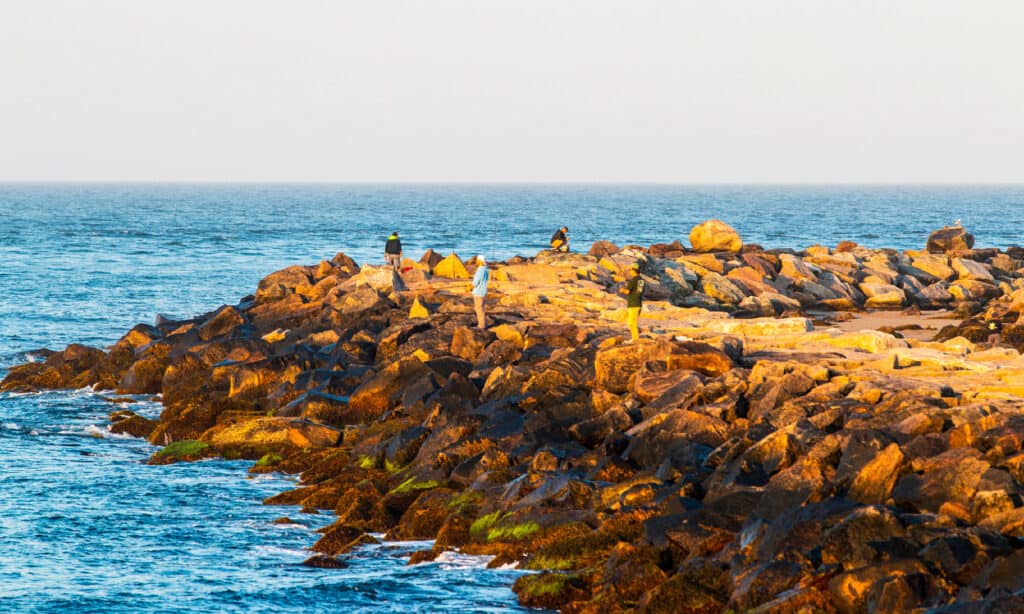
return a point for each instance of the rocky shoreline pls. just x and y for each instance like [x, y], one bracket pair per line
[755, 450]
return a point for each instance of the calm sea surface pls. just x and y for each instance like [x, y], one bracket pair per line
[87, 526]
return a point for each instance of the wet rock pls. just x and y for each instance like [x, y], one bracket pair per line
[184, 379]
[337, 539]
[324, 561]
[130, 423]
[425, 517]
[403, 447]
[30, 377]
[145, 376]
[550, 590]
[700, 586]
[320, 407]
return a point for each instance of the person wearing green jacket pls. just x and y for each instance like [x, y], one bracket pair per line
[393, 251]
[634, 292]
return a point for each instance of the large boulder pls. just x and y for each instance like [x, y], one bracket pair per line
[253, 438]
[603, 248]
[344, 265]
[129, 423]
[145, 376]
[221, 323]
[380, 278]
[280, 284]
[404, 381]
[431, 258]
[616, 367]
[970, 269]
[715, 236]
[950, 239]
[469, 343]
[949, 478]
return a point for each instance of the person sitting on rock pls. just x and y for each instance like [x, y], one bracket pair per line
[393, 251]
[480, 279]
[560, 240]
[634, 292]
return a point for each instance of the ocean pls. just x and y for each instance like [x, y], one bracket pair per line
[87, 526]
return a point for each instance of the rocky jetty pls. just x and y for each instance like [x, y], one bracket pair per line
[826, 430]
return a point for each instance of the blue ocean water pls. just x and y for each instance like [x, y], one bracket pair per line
[86, 526]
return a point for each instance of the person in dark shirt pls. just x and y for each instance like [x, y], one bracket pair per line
[634, 292]
[560, 240]
[393, 251]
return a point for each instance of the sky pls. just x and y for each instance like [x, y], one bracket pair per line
[818, 91]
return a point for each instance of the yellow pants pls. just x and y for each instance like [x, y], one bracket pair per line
[633, 320]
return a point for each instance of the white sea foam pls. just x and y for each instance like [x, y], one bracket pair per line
[277, 552]
[90, 430]
[451, 559]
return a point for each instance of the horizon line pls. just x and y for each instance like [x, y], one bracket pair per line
[504, 183]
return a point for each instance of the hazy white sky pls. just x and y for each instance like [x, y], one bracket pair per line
[759, 91]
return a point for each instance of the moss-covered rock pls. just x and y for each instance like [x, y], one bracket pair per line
[187, 450]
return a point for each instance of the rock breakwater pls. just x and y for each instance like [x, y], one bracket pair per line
[755, 450]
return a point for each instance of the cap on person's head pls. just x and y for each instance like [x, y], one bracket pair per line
[480, 258]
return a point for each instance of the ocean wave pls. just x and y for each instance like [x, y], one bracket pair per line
[450, 560]
[90, 430]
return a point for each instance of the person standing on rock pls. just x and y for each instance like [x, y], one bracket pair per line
[634, 291]
[560, 240]
[393, 251]
[480, 279]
